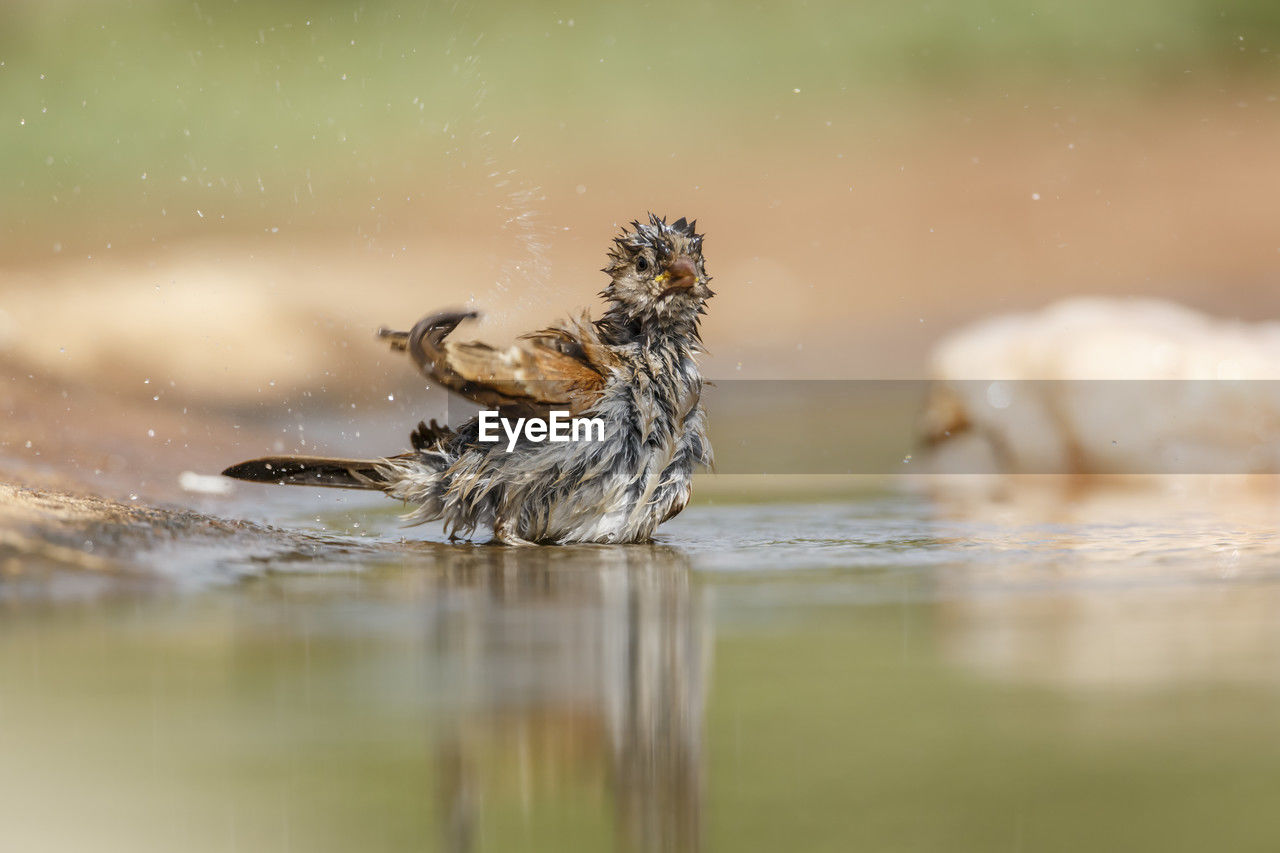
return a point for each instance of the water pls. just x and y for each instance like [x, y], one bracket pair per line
[877, 671]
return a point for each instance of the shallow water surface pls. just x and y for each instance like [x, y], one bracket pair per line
[882, 672]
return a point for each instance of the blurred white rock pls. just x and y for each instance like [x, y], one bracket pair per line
[8, 329]
[1107, 386]
[221, 320]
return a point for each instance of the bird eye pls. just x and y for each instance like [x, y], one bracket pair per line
[642, 264]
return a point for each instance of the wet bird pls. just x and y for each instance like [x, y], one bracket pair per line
[635, 369]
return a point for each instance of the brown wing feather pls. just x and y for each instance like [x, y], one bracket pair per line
[559, 368]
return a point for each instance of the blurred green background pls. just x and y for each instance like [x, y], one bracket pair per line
[123, 119]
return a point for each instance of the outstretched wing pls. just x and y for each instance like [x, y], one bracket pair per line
[562, 368]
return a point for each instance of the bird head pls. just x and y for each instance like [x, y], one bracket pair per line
[658, 279]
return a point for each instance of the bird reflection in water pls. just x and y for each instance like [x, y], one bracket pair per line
[568, 669]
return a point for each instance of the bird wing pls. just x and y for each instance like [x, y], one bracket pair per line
[555, 368]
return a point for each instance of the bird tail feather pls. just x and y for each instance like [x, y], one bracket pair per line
[312, 471]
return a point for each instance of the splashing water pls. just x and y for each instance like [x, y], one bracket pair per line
[523, 266]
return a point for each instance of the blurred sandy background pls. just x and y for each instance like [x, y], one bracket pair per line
[215, 204]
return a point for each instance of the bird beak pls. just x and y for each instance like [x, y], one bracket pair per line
[682, 274]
